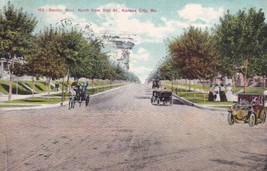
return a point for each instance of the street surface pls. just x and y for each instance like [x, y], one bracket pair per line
[121, 130]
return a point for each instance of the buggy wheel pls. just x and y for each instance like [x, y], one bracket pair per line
[80, 103]
[230, 119]
[158, 101]
[151, 100]
[87, 100]
[263, 117]
[252, 120]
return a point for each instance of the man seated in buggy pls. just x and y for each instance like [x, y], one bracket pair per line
[81, 91]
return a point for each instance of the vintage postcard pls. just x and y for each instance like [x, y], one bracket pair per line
[133, 85]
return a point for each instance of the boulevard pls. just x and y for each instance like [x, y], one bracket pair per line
[122, 130]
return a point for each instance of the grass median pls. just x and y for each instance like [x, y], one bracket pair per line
[198, 98]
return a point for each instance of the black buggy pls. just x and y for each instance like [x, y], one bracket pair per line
[161, 96]
[155, 84]
[249, 109]
[79, 94]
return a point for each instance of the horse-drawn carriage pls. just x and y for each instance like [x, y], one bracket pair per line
[163, 96]
[79, 94]
[155, 83]
[249, 109]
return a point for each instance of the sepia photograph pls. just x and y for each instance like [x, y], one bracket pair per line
[133, 85]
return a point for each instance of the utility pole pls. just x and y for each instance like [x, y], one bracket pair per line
[245, 73]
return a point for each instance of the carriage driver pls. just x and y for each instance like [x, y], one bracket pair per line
[72, 92]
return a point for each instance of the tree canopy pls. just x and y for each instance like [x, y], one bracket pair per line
[193, 53]
[16, 31]
[241, 37]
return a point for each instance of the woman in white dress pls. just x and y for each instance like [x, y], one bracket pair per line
[229, 93]
[216, 92]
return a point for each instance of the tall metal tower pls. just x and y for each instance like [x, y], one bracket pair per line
[123, 42]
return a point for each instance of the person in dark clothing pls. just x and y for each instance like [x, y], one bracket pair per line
[222, 93]
[211, 94]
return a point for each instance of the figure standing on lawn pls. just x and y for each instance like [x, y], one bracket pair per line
[222, 93]
[216, 93]
[229, 93]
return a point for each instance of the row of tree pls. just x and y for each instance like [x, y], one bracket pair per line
[237, 44]
[53, 53]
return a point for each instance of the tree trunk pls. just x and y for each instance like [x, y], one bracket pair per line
[204, 94]
[264, 82]
[233, 82]
[189, 84]
[10, 78]
[62, 95]
[245, 74]
[194, 84]
[33, 86]
[17, 87]
[67, 84]
[10, 87]
[49, 89]
[172, 85]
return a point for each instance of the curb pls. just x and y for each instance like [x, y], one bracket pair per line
[189, 103]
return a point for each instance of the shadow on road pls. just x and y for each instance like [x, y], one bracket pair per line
[176, 101]
[143, 97]
[227, 162]
[165, 105]
[259, 159]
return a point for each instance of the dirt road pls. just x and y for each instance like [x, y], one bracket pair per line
[121, 130]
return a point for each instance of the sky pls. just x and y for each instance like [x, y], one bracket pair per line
[149, 24]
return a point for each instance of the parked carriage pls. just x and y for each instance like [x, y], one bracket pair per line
[161, 96]
[249, 109]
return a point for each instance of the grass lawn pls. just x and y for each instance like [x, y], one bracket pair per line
[258, 90]
[39, 86]
[16, 88]
[56, 98]
[197, 98]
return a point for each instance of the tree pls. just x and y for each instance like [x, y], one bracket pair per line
[239, 41]
[168, 71]
[16, 29]
[81, 66]
[194, 54]
[263, 60]
[47, 61]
